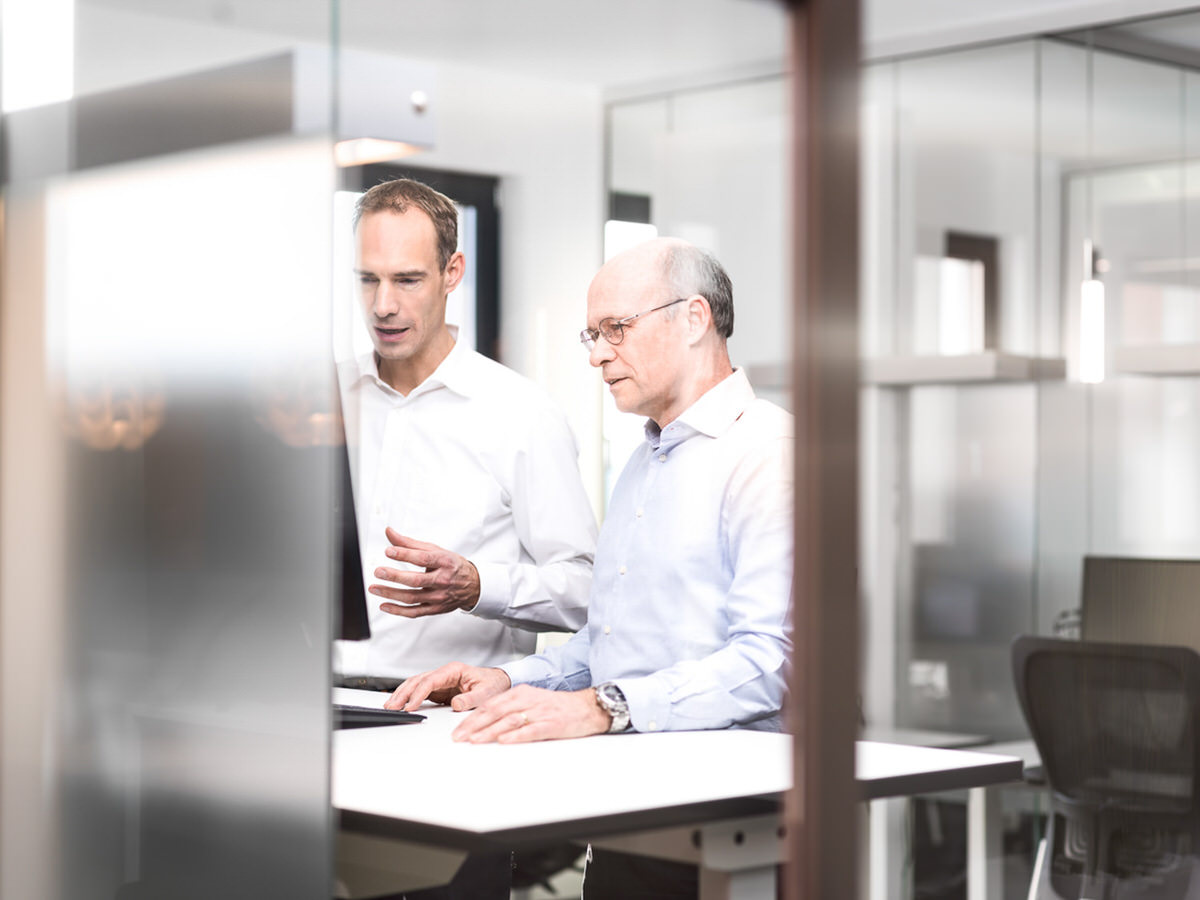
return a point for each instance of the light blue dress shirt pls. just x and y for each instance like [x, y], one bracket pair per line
[689, 610]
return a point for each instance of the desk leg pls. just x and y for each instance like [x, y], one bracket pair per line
[888, 876]
[747, 884]
[985, 849]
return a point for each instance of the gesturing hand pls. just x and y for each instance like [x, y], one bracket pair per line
[449, 581]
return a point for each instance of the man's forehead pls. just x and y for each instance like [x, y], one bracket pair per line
[412, 225]
[384, 234]
[615, 292]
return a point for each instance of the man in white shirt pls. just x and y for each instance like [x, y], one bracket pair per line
[474, 524]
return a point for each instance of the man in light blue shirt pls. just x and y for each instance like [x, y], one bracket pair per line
[688, 624]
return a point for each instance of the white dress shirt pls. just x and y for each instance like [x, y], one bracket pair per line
[690, 608]
[478, 460]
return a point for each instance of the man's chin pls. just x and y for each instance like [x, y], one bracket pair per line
[390, 351]
[623, 399]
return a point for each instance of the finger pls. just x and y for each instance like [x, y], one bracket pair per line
[468, 700]
[401, 576]
[417, 611]
[409, 694]
[509, 706]
[401, 596]
[481, 718]
[467, 727]
[505, 726]
[487, 727]
[424, 559]
[397, 539]
[398, 698]
[532, 731]
[410, 596]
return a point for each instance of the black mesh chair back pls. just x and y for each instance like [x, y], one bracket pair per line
[1116, 727]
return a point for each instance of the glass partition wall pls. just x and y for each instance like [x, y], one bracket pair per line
[166, 483]
[1029, 375]
[1028, 351]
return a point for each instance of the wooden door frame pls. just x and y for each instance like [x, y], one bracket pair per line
[821, 811]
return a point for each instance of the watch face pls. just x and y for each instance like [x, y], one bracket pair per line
[609, 696]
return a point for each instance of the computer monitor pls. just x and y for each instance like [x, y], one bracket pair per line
[1137, 600]
[353, 623]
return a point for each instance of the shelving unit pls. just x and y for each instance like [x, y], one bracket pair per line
[1157, 359]
[972, 368]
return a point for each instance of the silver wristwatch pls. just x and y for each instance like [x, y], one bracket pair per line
[613, 702]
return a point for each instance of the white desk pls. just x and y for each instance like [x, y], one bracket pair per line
[414, 784]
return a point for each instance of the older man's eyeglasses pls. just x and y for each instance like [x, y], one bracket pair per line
[613, 330]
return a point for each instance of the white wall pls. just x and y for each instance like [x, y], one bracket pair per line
[545, 141]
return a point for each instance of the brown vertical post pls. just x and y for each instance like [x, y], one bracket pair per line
[821, 812]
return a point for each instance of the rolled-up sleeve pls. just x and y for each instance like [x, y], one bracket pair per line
[556, 527]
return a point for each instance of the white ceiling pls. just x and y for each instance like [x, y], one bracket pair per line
[616, 45]
[599, 42]
[893, 27]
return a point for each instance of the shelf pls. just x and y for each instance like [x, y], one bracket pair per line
[1157, 359]
[973, 368]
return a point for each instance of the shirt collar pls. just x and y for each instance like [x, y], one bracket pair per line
[453, 372]
[714, 413]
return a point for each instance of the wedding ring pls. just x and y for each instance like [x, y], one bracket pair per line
[524, 719]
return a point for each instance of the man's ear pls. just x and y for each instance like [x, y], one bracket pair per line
[455, 269]
[699, 315]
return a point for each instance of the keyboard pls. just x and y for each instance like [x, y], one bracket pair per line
[346, 716]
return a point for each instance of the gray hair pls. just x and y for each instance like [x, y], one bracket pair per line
[690, 270]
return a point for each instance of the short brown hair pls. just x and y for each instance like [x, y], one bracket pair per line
[402, 194]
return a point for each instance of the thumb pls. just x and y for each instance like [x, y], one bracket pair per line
[467, 700]
[396, 539]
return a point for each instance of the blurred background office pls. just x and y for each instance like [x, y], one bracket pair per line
[174, 290]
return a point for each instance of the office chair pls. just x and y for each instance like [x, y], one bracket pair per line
[1116, 727]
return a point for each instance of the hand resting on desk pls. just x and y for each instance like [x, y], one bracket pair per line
[456, 684]
[526, 714]
[513, 716]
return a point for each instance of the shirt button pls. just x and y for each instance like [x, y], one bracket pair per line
[608, 629]
[652, 725]
[639, 514]
[379, 509]
[621, 570]
[662, 457]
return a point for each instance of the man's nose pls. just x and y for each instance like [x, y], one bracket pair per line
[601, 351]
[386, 302]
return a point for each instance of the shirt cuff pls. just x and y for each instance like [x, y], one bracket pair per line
[495, 590]
[521, 671]
[649, 704]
